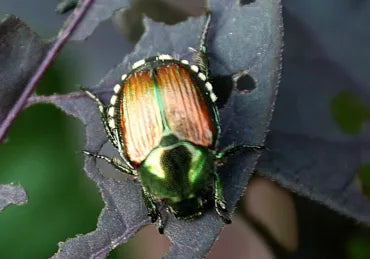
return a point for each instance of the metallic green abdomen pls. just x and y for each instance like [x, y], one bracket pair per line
[177, 172]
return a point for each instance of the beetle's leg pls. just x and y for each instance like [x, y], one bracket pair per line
[200, 56]
[120, 148]
[153, 211]
[220, 203]
[113, 136]
[151, 206]
[232, 150]
[103, 114]
[115, 162]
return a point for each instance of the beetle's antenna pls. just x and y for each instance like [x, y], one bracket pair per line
[200, 56]
[203, 38]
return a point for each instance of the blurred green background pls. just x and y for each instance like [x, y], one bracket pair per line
[42, 153]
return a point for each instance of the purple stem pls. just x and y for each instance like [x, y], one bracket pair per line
[63, 36]
[62, 97]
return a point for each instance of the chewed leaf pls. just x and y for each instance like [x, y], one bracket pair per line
[21, 51]
[244, 119]
[319, 144]
[12, 194]
[99, 11]
[322, 170]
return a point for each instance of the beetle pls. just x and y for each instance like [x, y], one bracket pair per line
[164, 122]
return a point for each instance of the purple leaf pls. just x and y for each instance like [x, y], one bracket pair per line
[21, 51]
[242, 39]
[100, 11]
[12, 194]
[309, 149]
[37, 58]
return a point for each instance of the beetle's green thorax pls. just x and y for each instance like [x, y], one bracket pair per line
[178, 174]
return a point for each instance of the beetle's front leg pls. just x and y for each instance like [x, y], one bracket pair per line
[220, 203]
[115, 162]
[153, 211]
[103, 114]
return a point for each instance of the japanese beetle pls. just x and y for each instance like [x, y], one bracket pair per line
[163, 120]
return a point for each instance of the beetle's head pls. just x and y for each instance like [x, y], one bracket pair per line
[180, 174]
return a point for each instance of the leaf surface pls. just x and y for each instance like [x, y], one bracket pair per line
[319, 145]
[12, 194]
[21, 51]
[100, 11]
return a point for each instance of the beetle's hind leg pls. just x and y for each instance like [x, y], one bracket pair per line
[220, 203]
[103, 114]
[234, 149]
[153, 210]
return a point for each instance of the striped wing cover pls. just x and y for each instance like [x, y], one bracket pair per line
[165, 98]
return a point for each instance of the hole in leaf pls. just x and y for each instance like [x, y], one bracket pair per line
[76, 57]
[245, 2]
[272, 211]
[45, 159]
[57, 74]
[363, 175]
[130, 21]
[147, 243]
[245, 83]
[359, 244]
[222, 87]
[65, 6]
[350, 112]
